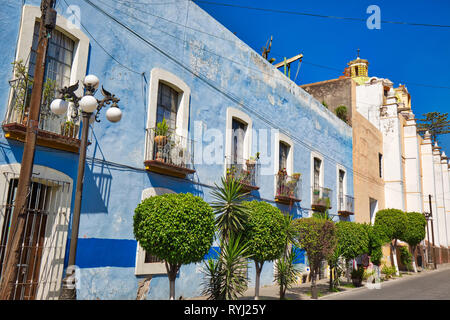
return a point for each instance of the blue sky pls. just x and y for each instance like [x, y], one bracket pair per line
[403, 53]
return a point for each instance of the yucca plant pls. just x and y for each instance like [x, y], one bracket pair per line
[231, 214]
[225, 278]
[286, 272]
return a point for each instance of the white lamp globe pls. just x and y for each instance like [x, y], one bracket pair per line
[91, 80]
[114, 114]
[88, 104]
[59, 106]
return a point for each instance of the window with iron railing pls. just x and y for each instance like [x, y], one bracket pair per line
[57, 75]
[247, 173]
[321, 197]
[171, 153]
[346, 204]
[288, 188]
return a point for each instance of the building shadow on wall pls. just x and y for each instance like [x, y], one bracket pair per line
[97, 181]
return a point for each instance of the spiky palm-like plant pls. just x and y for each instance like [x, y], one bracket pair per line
[285, 272]
[226, 277]
[231, 214]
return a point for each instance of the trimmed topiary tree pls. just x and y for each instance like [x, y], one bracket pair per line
[318, 238]
[265, 235]
[176, 228]
[393, 224]
[352, 240]
[415, 233]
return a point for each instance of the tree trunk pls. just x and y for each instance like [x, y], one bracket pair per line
[394, 256]
[314, 270]
[413, 254]
[331, 278]
[258, 267]
[172, 270]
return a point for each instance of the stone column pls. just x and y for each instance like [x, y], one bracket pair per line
[446, 196]
[412, 166]
[428, 182]
[439, 227]
[392, 154]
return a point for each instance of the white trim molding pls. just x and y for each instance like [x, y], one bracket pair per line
[233, 113]
[153, 268]
[56, 228]
[158, 75]
[32, 14]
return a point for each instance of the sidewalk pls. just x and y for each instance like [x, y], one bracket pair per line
[302, 291]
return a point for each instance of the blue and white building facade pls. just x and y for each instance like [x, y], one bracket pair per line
[223, 103]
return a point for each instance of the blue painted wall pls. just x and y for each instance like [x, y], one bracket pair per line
[221, 72]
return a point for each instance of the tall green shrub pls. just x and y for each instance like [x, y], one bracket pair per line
[414, 233]
[393, 224]
[176, 228]
[318, 238]
[265, 235]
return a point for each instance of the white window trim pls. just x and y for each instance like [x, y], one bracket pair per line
[315, 154]
[30, 15]
[153, 268]
[233, 113]
[158, 75]
[281, 137]
[56, 230]
[344, 187]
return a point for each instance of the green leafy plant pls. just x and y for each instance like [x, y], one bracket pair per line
[162, 128]
[414, 233]
[357, 276]
[286, 272]
[265, 235]
[225, 278]
[341, 113]
[393, 224]
[325, 104]
[406, 258]
[231, 213]
[176, 228]
[388, 272]
[318, 238]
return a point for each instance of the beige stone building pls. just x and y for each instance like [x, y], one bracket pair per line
[393, 166]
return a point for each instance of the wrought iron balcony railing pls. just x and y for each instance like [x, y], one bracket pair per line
[321, 199]
[54, 131]
[346, 205]
[247, 173]
[288, 188]
[171, 154]
[48, 121]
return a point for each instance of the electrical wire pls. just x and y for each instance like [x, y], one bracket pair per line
[316, 15]
[98, 43]
[238, 101]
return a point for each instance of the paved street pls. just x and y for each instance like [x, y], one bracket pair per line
[433, 285]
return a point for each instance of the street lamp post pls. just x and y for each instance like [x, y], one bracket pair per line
[87, 105]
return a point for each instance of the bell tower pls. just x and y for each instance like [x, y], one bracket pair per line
[359, 69]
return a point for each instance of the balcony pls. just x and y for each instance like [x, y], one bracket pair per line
[288, 188]
[53, 131]
[321, 199]
[247, 174]
[346, 205]
[170, 155]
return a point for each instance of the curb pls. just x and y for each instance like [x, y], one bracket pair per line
[394, 280]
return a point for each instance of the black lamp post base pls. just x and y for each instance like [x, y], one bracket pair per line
[68, 290]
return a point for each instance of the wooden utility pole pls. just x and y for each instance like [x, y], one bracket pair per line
[287, 64]
[18, 219]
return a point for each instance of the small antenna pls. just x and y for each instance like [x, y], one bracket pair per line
[357, 53]
[267, 48]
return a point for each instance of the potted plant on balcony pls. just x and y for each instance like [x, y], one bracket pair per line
[161, 138]
[69, 129]
[296, 176]
[252, 161]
